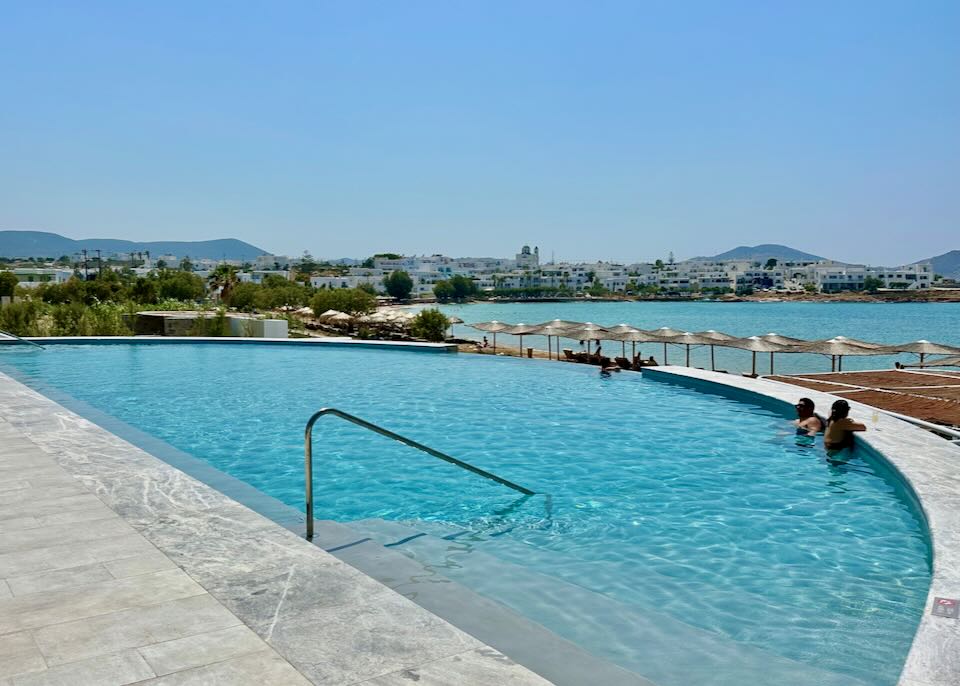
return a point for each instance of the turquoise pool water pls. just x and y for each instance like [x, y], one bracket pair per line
[694, 513]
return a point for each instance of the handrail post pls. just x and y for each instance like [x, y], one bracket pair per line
[308, 473]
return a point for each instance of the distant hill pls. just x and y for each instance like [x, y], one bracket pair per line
[44, 244]
[947, 264]
[762, 253]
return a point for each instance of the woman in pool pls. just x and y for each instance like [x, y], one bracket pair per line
[808, 422]
[840, 428]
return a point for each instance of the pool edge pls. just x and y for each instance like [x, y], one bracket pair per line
[930, 467]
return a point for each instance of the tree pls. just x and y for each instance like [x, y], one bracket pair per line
[463, 288]
[771, 263]
[443, 291]
[224, 278]
[174, 285]
[161, 264]
[144, 291]
[398, 284]
[186, 265]
[349, 300]
[430, 324]
[872, 284]
[8, 283]
[658, 265]
[368, 287]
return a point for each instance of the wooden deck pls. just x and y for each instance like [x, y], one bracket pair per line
[932, 396]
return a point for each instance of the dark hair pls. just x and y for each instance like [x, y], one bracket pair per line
[806, 402]
[839, 410]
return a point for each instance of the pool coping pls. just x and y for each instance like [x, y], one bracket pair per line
[928, 466]
[332, 341]
[332, 622]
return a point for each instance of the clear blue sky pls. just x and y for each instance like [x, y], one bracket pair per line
[593, 129]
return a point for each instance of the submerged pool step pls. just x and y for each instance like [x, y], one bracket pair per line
[780, 628]
[648, 642]
[531, 644]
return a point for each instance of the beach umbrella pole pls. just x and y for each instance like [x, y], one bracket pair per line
[688, 354]
[494, 342]
[753, 369]
[713, 367]
[521, 345]
[664, 353]
[771, 362]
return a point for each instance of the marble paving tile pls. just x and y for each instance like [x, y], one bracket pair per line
[5, 591]
[45, 506]
[51, 495]
[108, 670]
[59, 579]
[140, 564]
[68, 555]
[133, 628]
[472, 667]
[19, 654]
[258, 669]
[43, 609]
[201, 649]
[357, 642]
[46, 537]
[13, 485]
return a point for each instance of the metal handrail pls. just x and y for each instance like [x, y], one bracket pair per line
[22, 340]
[308, 456]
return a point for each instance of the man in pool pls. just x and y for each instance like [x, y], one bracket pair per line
[808, 422]
[838, 436]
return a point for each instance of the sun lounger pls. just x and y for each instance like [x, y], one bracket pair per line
[623, 363]
[568, 355]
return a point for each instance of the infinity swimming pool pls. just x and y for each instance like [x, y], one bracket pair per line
[686, 536]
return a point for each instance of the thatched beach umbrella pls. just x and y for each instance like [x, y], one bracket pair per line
[491, 327]
[923, 348]
[665, 332]
[329, 313]
[451, 320]
[636, 336]
[715, 336]
[837, 348]
[588, 331]
[521, 329]
[688, 339]
[558, 328]
[756, 344]
[619, 329]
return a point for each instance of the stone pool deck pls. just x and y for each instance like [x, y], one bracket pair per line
[116, 568]
[928, 464]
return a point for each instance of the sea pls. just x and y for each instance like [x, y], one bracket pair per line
[885, 323]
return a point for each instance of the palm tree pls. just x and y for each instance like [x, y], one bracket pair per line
[223, 278]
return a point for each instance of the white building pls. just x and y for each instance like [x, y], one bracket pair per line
[31, 277]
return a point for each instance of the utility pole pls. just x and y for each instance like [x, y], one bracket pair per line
[84, 253]
[99, 265]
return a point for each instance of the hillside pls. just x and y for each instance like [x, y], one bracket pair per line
[762, 253]
[947, 264]
[44, 244]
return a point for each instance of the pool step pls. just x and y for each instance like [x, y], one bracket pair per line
[643, 640]
[669, 587]
[555, 658]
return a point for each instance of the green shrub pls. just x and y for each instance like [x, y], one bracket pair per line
[22, 318]
[430, 324]
[349, 300]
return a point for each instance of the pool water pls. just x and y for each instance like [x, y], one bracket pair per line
[693, 509]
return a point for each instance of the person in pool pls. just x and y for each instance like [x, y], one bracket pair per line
[808, 422]
[840, 429]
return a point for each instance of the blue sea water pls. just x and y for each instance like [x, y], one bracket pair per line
[664, 502]
[879, 322]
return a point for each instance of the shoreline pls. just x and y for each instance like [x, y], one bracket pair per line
[945, 296]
